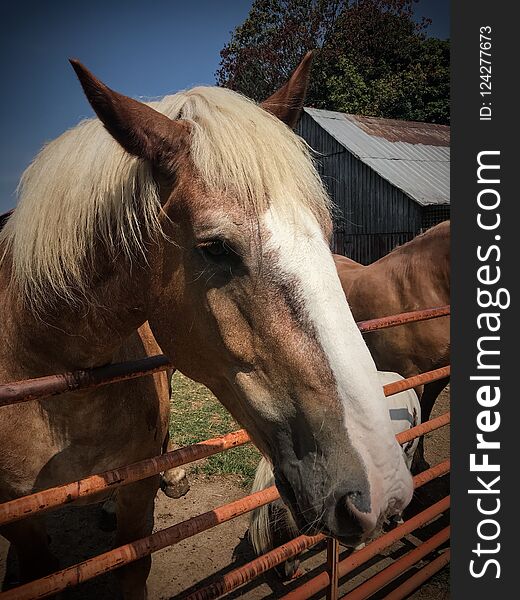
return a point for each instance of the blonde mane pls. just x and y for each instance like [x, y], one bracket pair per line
[83, 189]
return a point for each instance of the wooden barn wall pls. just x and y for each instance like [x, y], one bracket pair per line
[374, 216]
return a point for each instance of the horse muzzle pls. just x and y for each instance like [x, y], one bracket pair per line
[350, 510]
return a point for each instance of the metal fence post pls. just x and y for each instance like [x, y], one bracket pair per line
[332, 568]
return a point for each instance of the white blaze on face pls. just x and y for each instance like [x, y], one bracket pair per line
[305, 257]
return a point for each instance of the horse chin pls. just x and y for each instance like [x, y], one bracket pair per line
[377, 532]
[289, 498]
[354, 542]
[357, 542]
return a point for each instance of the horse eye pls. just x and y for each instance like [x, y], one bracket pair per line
[215, 248]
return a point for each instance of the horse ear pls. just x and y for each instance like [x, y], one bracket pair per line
[140, 129]
[287, 102]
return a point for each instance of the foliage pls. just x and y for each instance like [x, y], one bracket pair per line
[371, 57]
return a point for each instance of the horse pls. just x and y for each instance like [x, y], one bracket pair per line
[173, 482]
[204, 216]
[413, 276]
[272, 525]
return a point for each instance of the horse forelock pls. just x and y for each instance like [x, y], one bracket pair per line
[239, 148]
[83, 189]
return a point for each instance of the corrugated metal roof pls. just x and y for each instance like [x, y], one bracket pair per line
[414, 157]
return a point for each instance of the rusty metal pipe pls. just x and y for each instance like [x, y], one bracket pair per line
[422, 575]
[403, 318]
[332, 568]
[358, 558]
[416, 380]
[52, 385]
[398, 567]
[432, 473]
[123, 555]
[45, 500]
[423, 428]
[19, 508]
[234, 579]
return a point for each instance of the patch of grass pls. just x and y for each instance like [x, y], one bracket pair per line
[197, 415]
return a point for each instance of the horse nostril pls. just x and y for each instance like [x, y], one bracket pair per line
[359, 501]
[359, 507]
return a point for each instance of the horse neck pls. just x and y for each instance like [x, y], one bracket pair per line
[70, 337]
[427, 256]
[433, 255]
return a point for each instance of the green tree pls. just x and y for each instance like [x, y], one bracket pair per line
[371, 57]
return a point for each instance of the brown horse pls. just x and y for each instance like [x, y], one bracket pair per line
[413, 276]
[203, 215]
[174, 482]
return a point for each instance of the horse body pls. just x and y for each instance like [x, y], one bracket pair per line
[56, 440]
[411, 277]
[203, 216]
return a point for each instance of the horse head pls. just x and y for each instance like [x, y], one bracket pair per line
[244, 296]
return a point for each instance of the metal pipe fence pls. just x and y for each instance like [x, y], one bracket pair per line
[55, 497]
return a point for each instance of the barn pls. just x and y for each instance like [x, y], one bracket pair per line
[389, 179]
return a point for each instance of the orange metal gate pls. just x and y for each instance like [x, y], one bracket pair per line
[55, 497]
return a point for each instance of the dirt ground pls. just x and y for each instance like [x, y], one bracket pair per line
[75, 536]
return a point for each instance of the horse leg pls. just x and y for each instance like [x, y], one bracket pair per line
[135, 506]
[174, 482]
[30, 540]
[428, 398]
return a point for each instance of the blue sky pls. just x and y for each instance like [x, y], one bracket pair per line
[143, 49]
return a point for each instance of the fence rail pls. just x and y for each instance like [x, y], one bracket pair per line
[55, 497]
[45, 500]
[52, 385]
